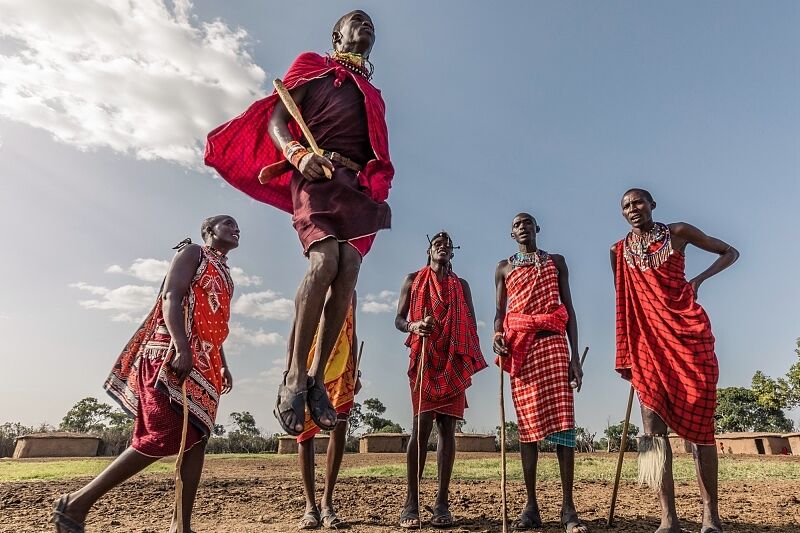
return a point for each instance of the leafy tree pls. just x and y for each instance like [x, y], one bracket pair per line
[355, 420]
[512, 436]
[613, 437]
[372, 419]
[219, 430]
[245, 424]
[88, 415]
[741, 409]
[584, 440]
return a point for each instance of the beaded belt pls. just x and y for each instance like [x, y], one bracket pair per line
[342, 160]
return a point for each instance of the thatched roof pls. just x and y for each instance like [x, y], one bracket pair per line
[58, 435]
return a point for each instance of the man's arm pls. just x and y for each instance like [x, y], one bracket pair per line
[614, 262]
[309, 166]
[176, 287]
[501, 300]
[227, 378]
[423, 327]
[684, 234]
[575, 370]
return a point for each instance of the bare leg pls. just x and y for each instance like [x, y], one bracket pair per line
[334, 312]
[707, 466]
[566, 467]
[334, 461]
[129, 463]
[529, 452]
[323, 266]
[423, 425]
[305, 454]
[445, 458]
[654, 425]
[191, 470]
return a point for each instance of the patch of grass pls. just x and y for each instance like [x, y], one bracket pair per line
[265, 455]
[49, 470]
[588, 468]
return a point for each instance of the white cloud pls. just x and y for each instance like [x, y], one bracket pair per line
[241, 279]
[129, 303]
[141, 77]
[383, 302]
[240, 335]
[266, 305]
[481, 324]
[266, 379]
[152, 270]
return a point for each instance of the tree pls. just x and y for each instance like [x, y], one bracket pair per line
[512, 436]
[245, 424]
[584, 440]
[219, 430]
[89, 415]
[613, 437]
[739, 409]
[354, 420]
[372, 419]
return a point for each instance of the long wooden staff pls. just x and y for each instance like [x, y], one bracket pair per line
[574, 383]
[503, 450]
[280, 167]
[622, 445]
[420, 386]
[182, 450]
[358, 359]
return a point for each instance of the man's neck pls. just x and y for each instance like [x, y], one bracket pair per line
[527, 248]
[439, 268]
[645, 228]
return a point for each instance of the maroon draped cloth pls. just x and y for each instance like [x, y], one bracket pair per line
[345, 114]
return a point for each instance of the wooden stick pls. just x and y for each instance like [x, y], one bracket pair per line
[291, 106]
[573, 383]
[358, 359]
[504, 513]
[184, 433]
[420, 470]
[622, 445]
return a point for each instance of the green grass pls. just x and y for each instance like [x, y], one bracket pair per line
[48, 470]
[601, 468]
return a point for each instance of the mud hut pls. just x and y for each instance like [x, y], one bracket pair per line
[794, 442]
[288, 444]
[56, 444]
[383, 443]
[475, 442]
[753, 443]
[679, 444]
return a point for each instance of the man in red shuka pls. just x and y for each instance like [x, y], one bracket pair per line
[665, 348]
[336, 219]
[436, 305]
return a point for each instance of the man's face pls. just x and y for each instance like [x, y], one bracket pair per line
[441, 249]
[523, 228]
[637, 209]
[227, 231]
[357, 33]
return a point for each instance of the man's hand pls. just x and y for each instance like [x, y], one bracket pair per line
[227, 380]
[575, 373]
[311, 166]
[181, 364]
[423, 327]
[499, 345]
[695, 283]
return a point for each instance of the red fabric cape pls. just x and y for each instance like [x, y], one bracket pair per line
[520, 332]
[240, 148]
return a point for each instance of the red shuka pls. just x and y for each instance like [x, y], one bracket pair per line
[453, 352]
[665, 346]
[538, 365]
[240, 148]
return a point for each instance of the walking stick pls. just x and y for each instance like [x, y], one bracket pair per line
[622, 446]
[182, 449]
[574, 383]
[418, 385]
[503, 451]
[358, 359]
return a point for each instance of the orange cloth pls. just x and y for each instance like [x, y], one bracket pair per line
[340, 379]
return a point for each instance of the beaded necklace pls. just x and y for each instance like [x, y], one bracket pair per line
[636, 248]
[354, 62]
[537, 258]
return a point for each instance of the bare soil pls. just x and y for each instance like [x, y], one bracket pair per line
[265, 495]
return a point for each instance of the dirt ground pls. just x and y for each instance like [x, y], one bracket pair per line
[265, 495]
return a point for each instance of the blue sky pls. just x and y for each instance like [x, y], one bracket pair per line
[549, 107]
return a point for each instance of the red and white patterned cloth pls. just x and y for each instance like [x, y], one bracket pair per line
[540, 385]
[665, 346]
[453, 352]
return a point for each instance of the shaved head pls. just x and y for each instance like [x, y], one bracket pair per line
[644, 192]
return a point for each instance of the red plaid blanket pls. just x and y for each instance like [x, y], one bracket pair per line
[453, 349]
[665, 346]
[540, 366]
